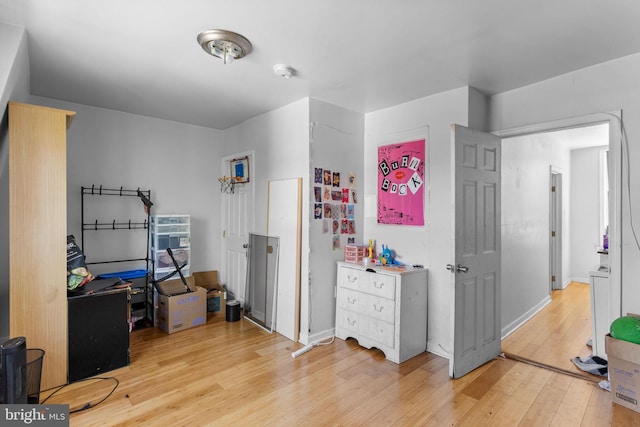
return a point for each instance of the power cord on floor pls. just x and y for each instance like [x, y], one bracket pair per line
[308, 347]
[87, 405]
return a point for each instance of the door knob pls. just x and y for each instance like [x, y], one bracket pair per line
[459, 268]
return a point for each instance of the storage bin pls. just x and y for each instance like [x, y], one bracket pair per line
[160, 273]
[171, 219]
[163, 260]
[173, 241]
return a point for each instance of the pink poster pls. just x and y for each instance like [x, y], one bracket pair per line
[401, 171]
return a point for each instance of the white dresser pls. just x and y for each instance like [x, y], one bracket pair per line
[384, 308]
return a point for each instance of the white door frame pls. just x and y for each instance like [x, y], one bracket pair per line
[613, 118]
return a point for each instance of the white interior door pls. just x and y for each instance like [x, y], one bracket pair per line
[556, 230]
[476, 259]
[238, 221]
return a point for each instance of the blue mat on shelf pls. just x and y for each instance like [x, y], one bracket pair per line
[124, 275]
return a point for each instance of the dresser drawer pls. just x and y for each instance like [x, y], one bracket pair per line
[381, 331]
[382, 285]
[350, 321]
[380, 308]
[353, 300]
[353, 279]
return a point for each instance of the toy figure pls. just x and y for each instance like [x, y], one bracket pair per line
[386, 256]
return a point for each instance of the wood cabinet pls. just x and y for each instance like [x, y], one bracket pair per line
[98, 333]
[385, 308]
[37, 233]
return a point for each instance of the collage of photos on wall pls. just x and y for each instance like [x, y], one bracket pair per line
[335, 197]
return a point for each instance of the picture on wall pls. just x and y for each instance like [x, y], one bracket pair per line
[401, 172]
[327, 177]
[336, 179]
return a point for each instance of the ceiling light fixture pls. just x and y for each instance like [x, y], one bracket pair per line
[224, 44]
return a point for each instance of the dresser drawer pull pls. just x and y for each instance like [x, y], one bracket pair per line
[378, 285]
[352, 279]
[379, 310]
[351, 300]
[351, 322]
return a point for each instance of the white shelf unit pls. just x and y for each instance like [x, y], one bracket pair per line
[383, 308]
[170, 231]
[600, 303]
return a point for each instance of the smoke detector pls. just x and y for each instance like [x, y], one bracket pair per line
[283, 70]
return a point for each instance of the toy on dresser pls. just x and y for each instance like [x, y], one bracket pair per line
[387, 258]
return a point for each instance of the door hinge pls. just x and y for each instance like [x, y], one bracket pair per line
[553, 234]
[553, 278]
[553, 188]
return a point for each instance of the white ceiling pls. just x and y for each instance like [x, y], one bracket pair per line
[141, 56]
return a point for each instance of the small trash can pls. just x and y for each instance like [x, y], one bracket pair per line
[233, 311]
[34, 374]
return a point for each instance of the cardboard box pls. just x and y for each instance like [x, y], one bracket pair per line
[215, 302]
[207, 280]
[624, 371]
[176, 286]
[184, 311]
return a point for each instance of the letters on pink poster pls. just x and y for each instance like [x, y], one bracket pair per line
[401, 171]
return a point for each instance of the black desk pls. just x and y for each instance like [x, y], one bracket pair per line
[98, 332]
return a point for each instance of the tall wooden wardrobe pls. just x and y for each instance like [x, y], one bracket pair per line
[37, 233]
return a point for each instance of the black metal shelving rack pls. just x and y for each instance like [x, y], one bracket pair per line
[141, 292]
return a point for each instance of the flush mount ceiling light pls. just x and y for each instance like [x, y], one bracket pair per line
[224, 44]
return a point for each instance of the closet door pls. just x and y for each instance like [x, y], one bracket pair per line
[37, 233]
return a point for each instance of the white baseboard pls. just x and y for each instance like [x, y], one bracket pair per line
[306, 338]
[438, 350]
[513, 326]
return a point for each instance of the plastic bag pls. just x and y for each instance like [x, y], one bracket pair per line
[77, 272]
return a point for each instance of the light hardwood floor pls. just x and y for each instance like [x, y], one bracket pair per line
[237, 374]
[559, 332]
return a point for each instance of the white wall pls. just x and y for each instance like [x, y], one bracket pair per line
[526, 162]
[336, 143]
[430, 245]
[179, 163]
[14, 86]
[280, 141]
[601, 88]
[586, 239]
